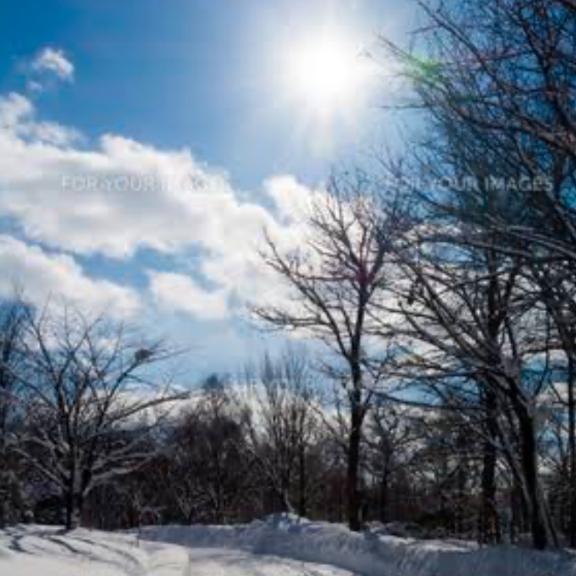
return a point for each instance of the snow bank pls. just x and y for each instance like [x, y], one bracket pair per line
[367, 553]
[46, 551]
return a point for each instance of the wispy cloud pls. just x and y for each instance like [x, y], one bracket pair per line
[53, 61]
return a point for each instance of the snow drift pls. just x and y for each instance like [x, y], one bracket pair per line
[367, 553]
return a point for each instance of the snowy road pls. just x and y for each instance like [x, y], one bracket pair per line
[44, 551]
[224, 562]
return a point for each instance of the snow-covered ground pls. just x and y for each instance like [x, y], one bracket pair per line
[368, 553]
[279, 546]
[45, 551]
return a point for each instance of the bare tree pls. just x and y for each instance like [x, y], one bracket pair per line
[475, 325]
[208, 464]
[335, 277]
[390, 437]
[12, 316]
[282, 425]
[91, 402]
[498, 85]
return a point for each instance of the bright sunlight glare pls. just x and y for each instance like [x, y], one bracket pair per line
[327, 74]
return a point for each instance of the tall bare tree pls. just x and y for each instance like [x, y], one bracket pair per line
[336, 276]
[475, 325]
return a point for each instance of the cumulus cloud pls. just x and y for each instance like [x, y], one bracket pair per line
[117, 197]
[120, 195]
[178, 292]
[43, 275]
[291, 198]
[18, 123]
[53, 61]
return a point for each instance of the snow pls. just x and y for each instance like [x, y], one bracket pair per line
[280, 546]
[220, 561]
[369, 553]
[46, 551]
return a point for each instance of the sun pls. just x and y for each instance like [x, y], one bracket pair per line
[327, 73]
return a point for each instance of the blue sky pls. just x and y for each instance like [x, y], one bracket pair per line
[179, 86]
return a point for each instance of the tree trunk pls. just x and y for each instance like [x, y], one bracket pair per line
[3, 508]
[572, 450]
[353, 493]
[285, 502]
[383, 497]
[489, 521]
[543, 534]
[73, 500]
[73, 510]
[302, 480]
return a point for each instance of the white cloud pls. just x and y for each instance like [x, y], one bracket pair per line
[43, 275]
[18, 123]
[54, 61]
[180, 293]
[292, 199]
[115, 198]
[14, 109]
[120, 195]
